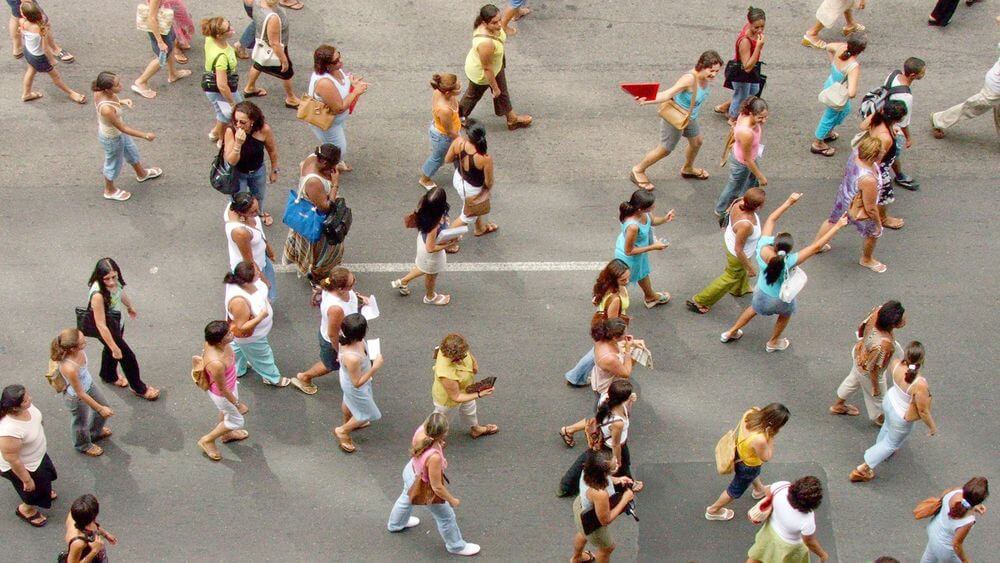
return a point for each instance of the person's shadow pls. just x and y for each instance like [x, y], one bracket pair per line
[153, 427]
[251, 473]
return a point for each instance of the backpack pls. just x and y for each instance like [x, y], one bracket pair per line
[875, 100]
[338, 221]
[55, 378]
[198, 373]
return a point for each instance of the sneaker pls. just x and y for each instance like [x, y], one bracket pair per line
[469, 549]
[907, 182]
[412, 522]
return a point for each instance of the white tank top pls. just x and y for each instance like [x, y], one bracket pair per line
[33, 43]
[258, 302]
[899, 399]
[107, 130]
[258, 246]
[327, 184]
[750, 246]
[330, 299]
[606, 430]
[343, 89]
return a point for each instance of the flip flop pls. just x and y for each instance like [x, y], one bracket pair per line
[119, 195]
[426, 187]
[150, 395]
[307, 388]
[725, 338]
[855, 28]
[589, 557]
[400, 286]
[756, 496]
[894, 226]
[147, 93]
[293, 5]
[150, 174]
[282, 382]
[214, 456]
[662, 298]
[439, 299]
[235, 436]
[81, 100]
[183, 73]
[877, 267]
[267, 219]
[258, 93]
[722, 515]
[849, 410]
[290, 105]
[180, 57]
[861, 476]
[817, 44]
[37, 519]
[32, 96]
[699, 174]
[828, 151]
[105, 433]
[346, 444]
[566, 437]
[695, 307]
[783, 344]
[490, 228]
[65, 57]
[719, 111]
[491, 429]
[831, 137]
[647, 185]
[826, 248]
[93, 451]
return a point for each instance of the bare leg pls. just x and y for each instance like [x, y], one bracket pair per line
[208, 440]
[414, 274]
[508, 16]
[430, 281]
[317, 370]
[252, 77]
[578, 426]
[57, 80]
[745, 317]
[867, 251]
[29, 78]
[647, 289]
[140, 170]
[109, 187]
[603, 555]
[723, 107]
[346, 412]
[722, 501]
[813, 32]
[694, 145]
[579, 542]
[290, 97]
[219, 129]
[652, 157]
[171, 68]
[849, 17]
[779, 327]
[152, 68]
[15, 40]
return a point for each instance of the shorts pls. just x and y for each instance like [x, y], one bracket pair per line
[513, 3]
[38, 62]
[220, 116]
[764, 304]
[327, 354]
[231, 416]
[670, 135]
[743, 475]
[465, 190]
[43, 477]
[599, 538]
[15, 8]
[168, 39]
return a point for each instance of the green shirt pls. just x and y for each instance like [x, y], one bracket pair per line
[226, 62]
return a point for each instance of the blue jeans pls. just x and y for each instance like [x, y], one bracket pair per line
[439, 147]
[117, 150]
[890, 438]
[740, 180]
[259, 356]
[216, 97]
[581, 372]
[272, 292]
[443, 514]
[741, 91]
[335, 135]
[85, 423]
[743, 476]
[831, 118]
[170, 38]
[255, 182]
[249, 36]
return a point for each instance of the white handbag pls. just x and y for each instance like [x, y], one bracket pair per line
[835, 95]
[795, 280]
[164, 19]
[263, 54]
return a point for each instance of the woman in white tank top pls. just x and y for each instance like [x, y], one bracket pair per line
[249, 310]
[319, 182]
[118, 148]
[246, 241]
[337, 89]
[35, 34]
[908, 400]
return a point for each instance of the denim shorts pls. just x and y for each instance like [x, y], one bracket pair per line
[215, 98]
[327, 354]
[670, 135]
[15, 8]
[764, 304]
[168, 39]
[513, 3]
[742, 477]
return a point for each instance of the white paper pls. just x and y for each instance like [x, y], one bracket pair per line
[450, 234]
[370, 311]
[760, 151]
[374, 347]
[225, 108]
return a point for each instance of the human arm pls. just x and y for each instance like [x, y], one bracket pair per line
[616, 440]
[127, 302]
[72, 375]
[273, 31]
[353, 365]
[271, 145]
[813, 544]
[243, 237]
[317, 195]
[745, 138]
[602, 504]
[683, 83]
[216, 371]
[772, 219]
[107, 535]
[78, 545]
[244, 323]
[613, 308]
[432, 244]
[222, 83]
[111, 116]
[959, 539]
[750, 57]
[10, 449]
[435, 474]
[485, 51]
[153, 24]
[232, 144]
[444, 116]
[616, 367]
[454, 150]
[853, 80]
[487, 172]
[922, 399]
[665, 218]
[459, 396]
[631, 232]
[814, 248]
[101, 321]
[743, 231]
[764, 447]
[906, 135]
[334, 317]
[869, 198]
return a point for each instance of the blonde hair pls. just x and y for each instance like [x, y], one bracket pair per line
[212, 27]
[454, 347]
[67, 340]
[435, 428]
[445, 82]
[869, 148]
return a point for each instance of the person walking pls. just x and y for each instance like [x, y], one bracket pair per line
[789, 533]
[85, 401]
[220, 60]
[107, 294]
[610, 296]
[430, 217]
[23, 457]
[844, 69]
[34, 29]
[486, 69]
[183, 29]
[85, 538]
[871, 356]
[754, 446]
[455, 368]
[597, 487]
[636, 240]
[319, 182]
[473, 177]
[743, 231]
[244, 145]
[977, 104]
[357, 371]
[339, 91]
[950, 526]
[273, 31]
[898, 85]
[516, 10]
[163, 42]
[218, 359]
[427, 463]
[249, 36]
[746, 80]
[884, 125]
[246, 240]
[116, 137]
[445, 125]
[775, 260]
[744, 170]
[908, 400]
[688, 93]
[827, 14]
[250, 315]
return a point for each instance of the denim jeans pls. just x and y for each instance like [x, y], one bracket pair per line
[335, 135]
[581, 372]
[443, 514]
[741, 91]
[272, 292]
[740, 180]
[439, 147]
[258, 355]
[85, 423]
[116, 151]
[255, 182]
[895, 430]
[743, 476]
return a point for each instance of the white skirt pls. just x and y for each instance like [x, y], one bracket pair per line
[830, 11]
[429, 262]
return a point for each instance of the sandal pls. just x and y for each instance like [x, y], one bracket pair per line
[520, 122]
[696, 307]
[858, 476]
[439, 299]
[242, 53]
[491, 429]
[146, 92]
[826, 248]
[346, 444]
[183, 73]
[490, 228]
[307, 388]
[848, 410]
[93, 451]
[295, 5]
[212, 454]
[831, 137]
[282, 382]
[80, 100]
[662, 297]
[400, 286]
[258, 93]
[426, 186]
[37, 519]
[722, 515]
[235, 436]
[292, 105]
[877, 267]
[18, 55]
[65, 57]
[828, 151]
[105, 433]
[815, 44]
[894, 223]
[853, 28]
[726, 338]
[267, 219]
[783, 344]
[32, 96]
[180, 57]
[150, 174]
[646, 185]
[589, 557]
[151, 394]
[566, 437]
[698, 174]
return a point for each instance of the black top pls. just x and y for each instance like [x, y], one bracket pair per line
[251, 155]
[474, 176]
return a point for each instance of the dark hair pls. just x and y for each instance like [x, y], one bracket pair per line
[607, 330]
[892, 112]
[753, 199]
[619, 391]
[486, 13]
[806, 494]
[913, 65]
[242, 202]
[596, 466]
[253, 112]
[776, 265]
[754, 14]
[32, 12]
[607, 280]
[914, 356]
[216, 331]
[640, 201]
[886, 559]
[753, 105]
[323, 58]
[431, 207]
[105, 81]
[770, 419]
[353, 328]
[84, 511]
[11, 399]
[708, 59]
[856, 44]
[445, 82]
[327, 156]
[476, 134]
[974, 492]
[244, 272]
[104, 267]
[890, 314]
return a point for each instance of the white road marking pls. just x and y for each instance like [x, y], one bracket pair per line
[374, 267]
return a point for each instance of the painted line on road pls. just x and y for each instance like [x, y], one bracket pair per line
[376, 267]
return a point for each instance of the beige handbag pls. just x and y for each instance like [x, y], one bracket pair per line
[835, 96]
[164, 18]
[314, 112]
[674, 114]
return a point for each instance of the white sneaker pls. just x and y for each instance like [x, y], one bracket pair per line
[412, 522]
[469, 549]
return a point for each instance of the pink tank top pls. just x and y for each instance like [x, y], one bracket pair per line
[230, 381]
[754, 145]
[420, 461]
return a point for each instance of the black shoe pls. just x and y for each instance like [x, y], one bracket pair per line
[907, 183]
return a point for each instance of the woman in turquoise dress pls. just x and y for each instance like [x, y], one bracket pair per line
[843, 68]
[356, 372]
[636, 240]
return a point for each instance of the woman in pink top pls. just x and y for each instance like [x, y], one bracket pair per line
[219, 363]
[747, 150]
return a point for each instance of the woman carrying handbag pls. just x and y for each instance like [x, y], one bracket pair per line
[336, 91]
[838, 90]
[789, 530]
[270, 52]
[473, 178]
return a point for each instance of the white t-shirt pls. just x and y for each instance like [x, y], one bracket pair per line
[32, 437]
[788, 522]
[906, 98]
[993, 76]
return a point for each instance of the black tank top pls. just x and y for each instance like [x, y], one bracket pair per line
[473, 176]
[251, 155]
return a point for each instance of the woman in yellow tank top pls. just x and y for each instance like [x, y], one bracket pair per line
[754, 445]
[445, 127]
[484, 67]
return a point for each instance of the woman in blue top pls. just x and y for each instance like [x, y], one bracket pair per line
[85, 400]
[954, 520]
[697, 82]
[774, 259]
[357, 370]
[843, 68]
[636, 240]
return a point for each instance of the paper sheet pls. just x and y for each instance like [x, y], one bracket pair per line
[450, 234]
[374, 347]
[370, 311]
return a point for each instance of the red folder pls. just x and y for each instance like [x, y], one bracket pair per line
[646, 90]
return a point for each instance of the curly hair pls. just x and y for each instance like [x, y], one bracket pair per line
[806, 494]
[607, 280]
[454, 347]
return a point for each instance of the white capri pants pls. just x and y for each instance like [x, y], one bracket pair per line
[231, 416]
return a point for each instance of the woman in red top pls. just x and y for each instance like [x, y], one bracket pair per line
[746, 80]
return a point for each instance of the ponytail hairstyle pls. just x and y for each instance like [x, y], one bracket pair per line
[776, 265]
[753, 105]
[328, 157]
[213, 27]
[769, 419]
[641, 200]
[973, 494]
[476, 134]
[755, 15]
[11, 399]
[914, 358]
[619, 392]
[607, 330]
[486, 13]
[856, 44]
[445, 82]
[242, 203]
[67, 341]
[337, 280]
[435, 428]
[596, 467]
[105, 81]
[353, 329]
[244, 272]
[607, 280]
[890, 315]
[104, 267]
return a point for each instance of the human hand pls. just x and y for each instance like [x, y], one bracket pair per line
[284, 66]
[132, 312]
[105, 412]
[110, 537]
[658, 245]
[794, 198]
[272, 176]
[241, 136]
[161, 44]
[495, 90]
[626, 481]
[909, 142]
[760, 40]
[242, 408]
[149, 137]
[29, 485]
[932, 433]
[263, 314]
[97, 544]
[762, 181]
[628, 495]
[126, 103]
[843, 221]
[378, 362]
[454, 502]
[979, 509]
[670, 215]
[116, 353]
[751, 271]
[485, 392]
